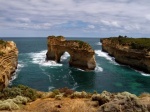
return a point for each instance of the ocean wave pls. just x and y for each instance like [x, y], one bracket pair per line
[15, 74]
[145, 74]
[98, 43]
[50, 88]
[142, 73]
[39, 58]
[103, 54]
[98, 69]
[65, 56]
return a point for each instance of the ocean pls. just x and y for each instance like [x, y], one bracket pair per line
[35, 72]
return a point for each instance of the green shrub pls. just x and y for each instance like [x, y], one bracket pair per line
[8, 105]
[20, 100]
[20, 90]
[135, 43]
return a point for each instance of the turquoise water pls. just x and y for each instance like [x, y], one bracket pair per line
[35, 72]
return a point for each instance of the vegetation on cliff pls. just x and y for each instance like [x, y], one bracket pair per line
[80, 44]
[134, 43]
[64, 100]
[2, 44]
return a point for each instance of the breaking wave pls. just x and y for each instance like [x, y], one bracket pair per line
[15, 74]
[65, 56]
[98, 69]
[103, 54]
[98, 43]
[39, 58]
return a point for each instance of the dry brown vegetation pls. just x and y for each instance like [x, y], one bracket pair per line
[66, 100]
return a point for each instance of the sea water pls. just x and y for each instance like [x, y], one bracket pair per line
[35, 72]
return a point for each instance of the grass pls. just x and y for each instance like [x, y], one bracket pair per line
[134, 43]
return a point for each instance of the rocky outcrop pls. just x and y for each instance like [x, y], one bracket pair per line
[8, 61]
[129, 51]
[81, 54]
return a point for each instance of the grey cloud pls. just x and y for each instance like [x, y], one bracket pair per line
[100, 15]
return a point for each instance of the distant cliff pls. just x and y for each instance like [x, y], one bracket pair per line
[81, 54]
[8, 61]
[134, 52]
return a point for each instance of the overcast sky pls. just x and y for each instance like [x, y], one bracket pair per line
[74, 18]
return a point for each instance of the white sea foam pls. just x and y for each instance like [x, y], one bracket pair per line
[145, 74]
[142, 73]
[15, 74]
[98, 69]
[65, 56]
[50, 88]
[98, 43]
[103, 54]
[39, 58]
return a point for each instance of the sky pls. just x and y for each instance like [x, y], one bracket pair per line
[74, 18]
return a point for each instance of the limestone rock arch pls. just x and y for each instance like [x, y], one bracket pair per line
[81, 54]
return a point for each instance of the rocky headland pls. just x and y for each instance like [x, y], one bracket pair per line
[81, 53]
[134, 52]
[8, 61]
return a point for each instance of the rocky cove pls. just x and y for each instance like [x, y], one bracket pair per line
[22, 98]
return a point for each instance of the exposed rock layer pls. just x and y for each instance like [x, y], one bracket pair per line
[81, 54]
[8, 61]
[128, 52]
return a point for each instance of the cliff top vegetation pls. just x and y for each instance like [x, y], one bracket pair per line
[66, 100]
[56, 37]
[134, 43]
[80, 43]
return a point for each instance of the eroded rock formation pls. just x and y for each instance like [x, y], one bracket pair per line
[81, 54]
[129, 51]
[8, 61]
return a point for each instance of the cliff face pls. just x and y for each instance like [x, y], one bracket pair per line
[131, 52]
[8, 61]
[81, 54]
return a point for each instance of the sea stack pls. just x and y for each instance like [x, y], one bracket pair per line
[8, 61]
[134, 52]
[81, 53]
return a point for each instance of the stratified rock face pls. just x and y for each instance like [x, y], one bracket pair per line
[129, 51]
[8, 61]
[81, 54]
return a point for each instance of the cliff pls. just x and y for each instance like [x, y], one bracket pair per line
[24, 99]
[8, 61]
[81, 54]
[134, 52]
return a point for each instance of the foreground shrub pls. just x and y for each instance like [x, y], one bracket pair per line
[66, 91]
[144, 95]
[12, 104]
[82, 94]
[20, 90]
[20, 100]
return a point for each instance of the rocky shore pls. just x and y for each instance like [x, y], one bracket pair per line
[134, 52]
[8, 61]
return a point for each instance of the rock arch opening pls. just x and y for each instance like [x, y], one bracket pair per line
[65, 58]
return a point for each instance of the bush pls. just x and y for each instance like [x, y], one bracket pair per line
[66, 91]
[20, 90]
[20, 100]
[8, 105]
[82, 94]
